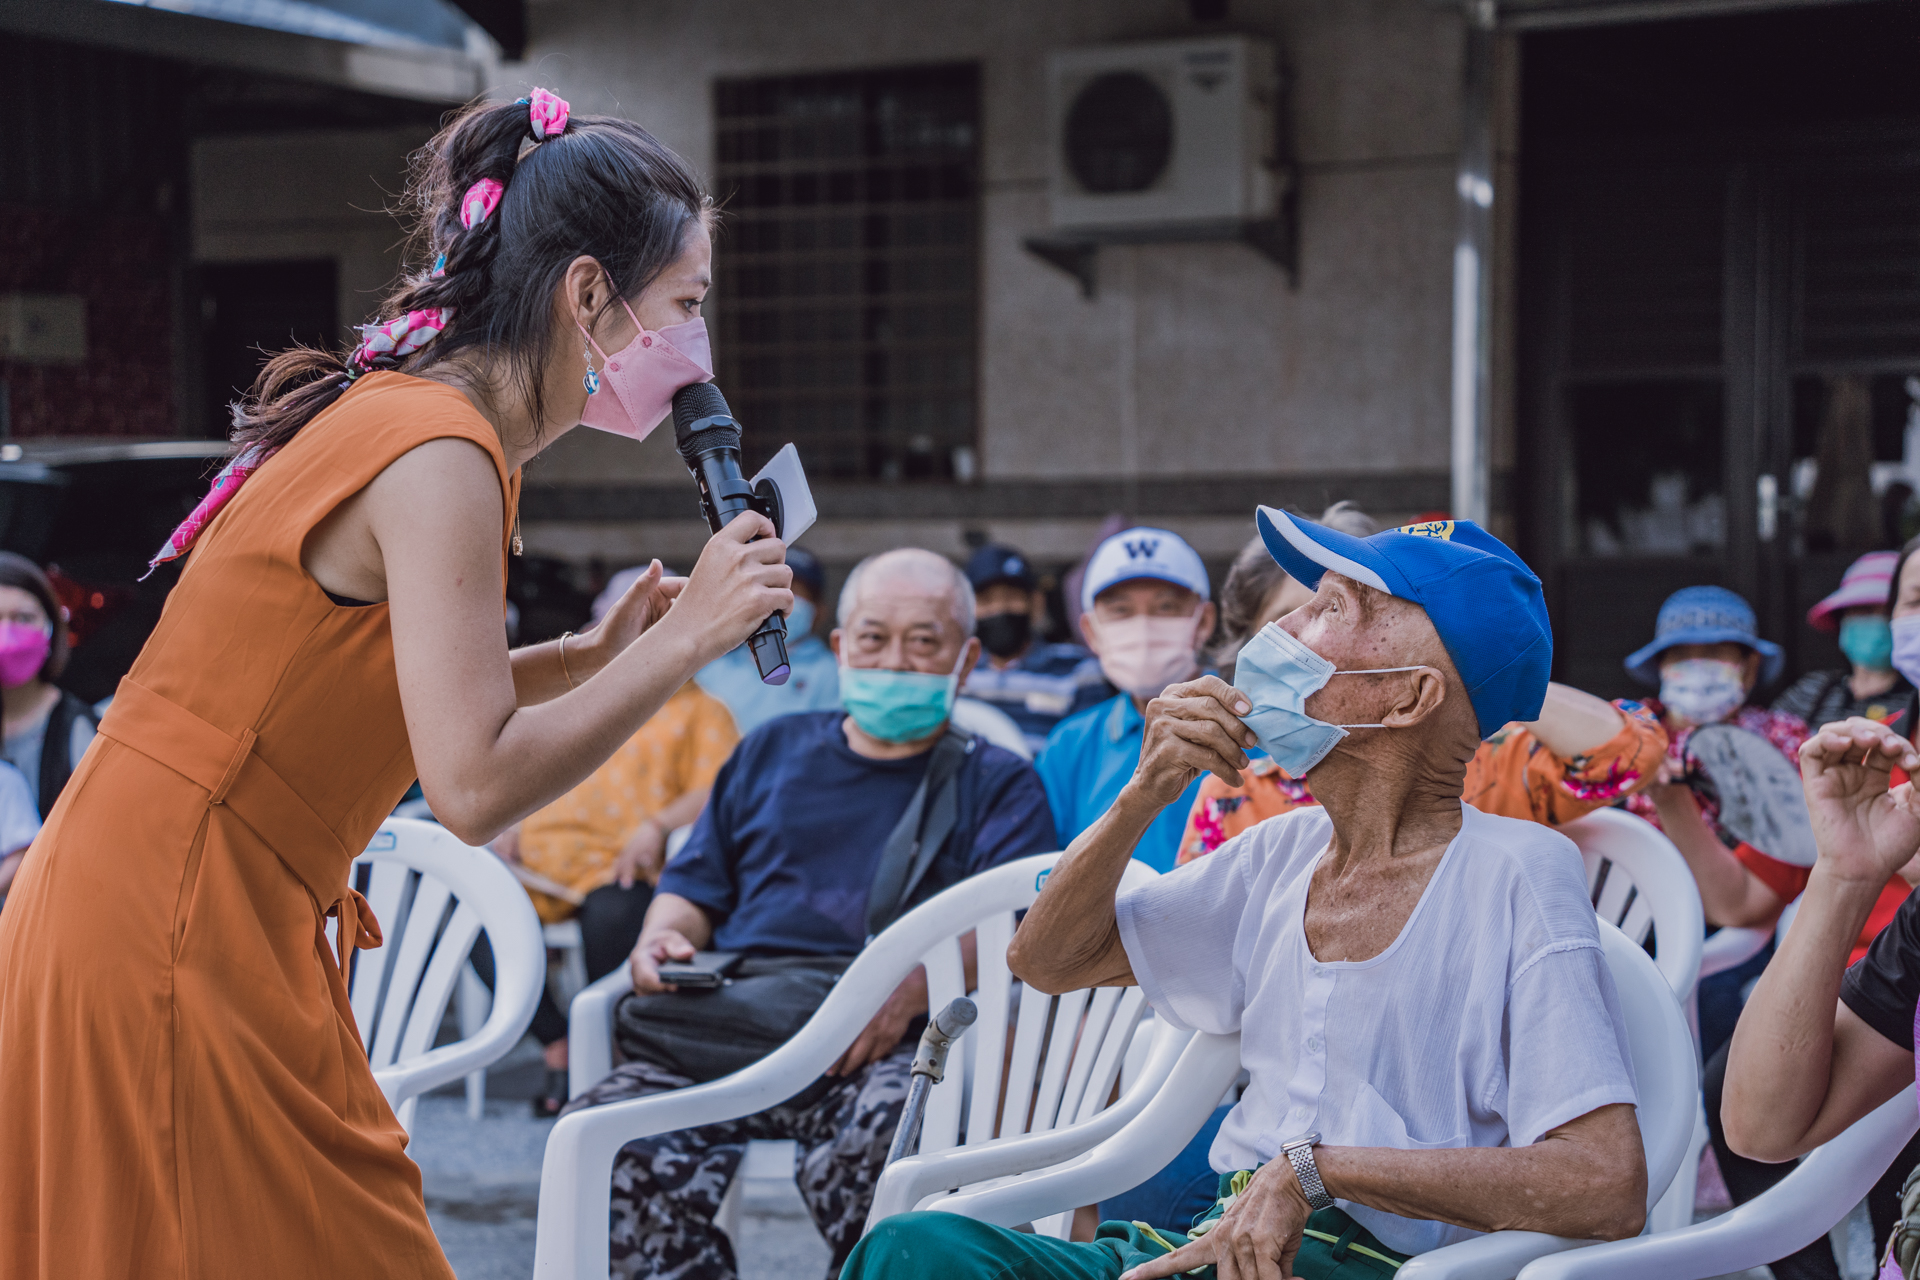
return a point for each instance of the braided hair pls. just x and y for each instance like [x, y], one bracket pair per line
[597, 186]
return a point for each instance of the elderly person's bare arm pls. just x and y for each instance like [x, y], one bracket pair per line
[1803, 1066]
[1071, 937]
[1573, 722]
[1586, 1179]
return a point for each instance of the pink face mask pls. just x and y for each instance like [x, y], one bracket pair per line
[1143, 655]
[635, 385]
[23, 651]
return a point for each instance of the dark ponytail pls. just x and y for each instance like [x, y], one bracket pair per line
[604, 188]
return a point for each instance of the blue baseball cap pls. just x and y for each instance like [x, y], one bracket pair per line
[1482, 599]
[1143, 552]
[1704, 615]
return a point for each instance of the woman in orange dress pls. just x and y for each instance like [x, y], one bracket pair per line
[188, 1094]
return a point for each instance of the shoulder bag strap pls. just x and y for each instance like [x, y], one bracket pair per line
[917, 838]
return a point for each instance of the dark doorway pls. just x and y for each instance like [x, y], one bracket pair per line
[1720, 296]
[252, 310]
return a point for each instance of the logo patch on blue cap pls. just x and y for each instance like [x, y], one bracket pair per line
[1441, 529]
[1142, 548]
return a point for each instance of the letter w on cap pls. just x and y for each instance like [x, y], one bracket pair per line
[1143, 549]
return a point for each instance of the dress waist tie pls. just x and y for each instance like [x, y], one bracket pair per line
[238, 780]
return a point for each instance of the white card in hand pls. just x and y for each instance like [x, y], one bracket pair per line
[796, 500]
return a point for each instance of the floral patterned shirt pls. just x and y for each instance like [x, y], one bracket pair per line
[1512, 774]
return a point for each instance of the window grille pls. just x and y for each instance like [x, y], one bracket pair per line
[848, 268]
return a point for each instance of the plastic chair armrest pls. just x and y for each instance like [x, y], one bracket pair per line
[906, 1182]
[1498, 1255]
[590, 1031]
[1167, 1123]
[1793, 1213]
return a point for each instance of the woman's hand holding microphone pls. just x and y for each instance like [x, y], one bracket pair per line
[740, 580]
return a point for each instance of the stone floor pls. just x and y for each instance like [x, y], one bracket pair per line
[482, 1182]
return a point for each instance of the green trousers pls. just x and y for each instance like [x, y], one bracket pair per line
[915, 1245]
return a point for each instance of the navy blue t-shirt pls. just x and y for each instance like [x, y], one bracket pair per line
[784, 853]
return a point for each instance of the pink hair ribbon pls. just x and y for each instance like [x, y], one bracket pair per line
[225, 485]
[547, 114]
[482, 198]
[400, 337]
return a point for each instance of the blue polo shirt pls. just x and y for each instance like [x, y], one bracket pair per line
[814, 684]
[783, 855]
[1088, 758]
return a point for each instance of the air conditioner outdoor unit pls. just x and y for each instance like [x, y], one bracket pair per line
[1165, 135]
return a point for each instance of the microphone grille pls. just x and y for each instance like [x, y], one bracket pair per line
[694, 402]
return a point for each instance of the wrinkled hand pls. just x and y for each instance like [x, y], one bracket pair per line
[736, 585]
[1257, 1236]
[639, 607]
[652, 951]
[1864, 831]
[883, 1033]
[642, 856]
[1193, 728]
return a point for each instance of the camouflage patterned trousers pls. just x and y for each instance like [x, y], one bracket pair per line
[666, 1189]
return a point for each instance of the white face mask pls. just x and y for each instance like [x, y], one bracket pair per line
[1702, 690]
[1142, 655]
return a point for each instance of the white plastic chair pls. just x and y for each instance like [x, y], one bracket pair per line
[984, 720]
[1663, 1062]
[1641, 884]
[433, 895]
[1790, 1215]
[1066, 1055]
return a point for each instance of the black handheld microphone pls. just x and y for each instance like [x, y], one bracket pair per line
[709, 442]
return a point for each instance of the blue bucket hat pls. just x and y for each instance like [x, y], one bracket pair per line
[1703, 615]
[1481, 598]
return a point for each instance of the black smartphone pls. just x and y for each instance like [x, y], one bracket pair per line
[705, 972]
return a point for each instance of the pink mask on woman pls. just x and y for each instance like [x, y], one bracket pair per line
[23, 651]
[1143, 655]
[637, 382]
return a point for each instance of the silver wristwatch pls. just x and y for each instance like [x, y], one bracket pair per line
[1299, 1153]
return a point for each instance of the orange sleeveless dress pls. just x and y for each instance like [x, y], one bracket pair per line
[185, 1092]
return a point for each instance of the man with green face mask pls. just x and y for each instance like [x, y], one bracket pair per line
[795, 863]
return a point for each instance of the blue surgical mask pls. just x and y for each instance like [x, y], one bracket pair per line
[1278, 674]
[800, 621]
[897, 706]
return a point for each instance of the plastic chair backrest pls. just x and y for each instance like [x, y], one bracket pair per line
[1066, 1051]
[1641, 885]
[433, 896]
[1666, 1072]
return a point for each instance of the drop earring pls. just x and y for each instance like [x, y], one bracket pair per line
[592, 380]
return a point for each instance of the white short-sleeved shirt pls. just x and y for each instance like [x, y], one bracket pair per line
[1489, 1021]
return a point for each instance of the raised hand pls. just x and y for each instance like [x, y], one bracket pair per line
[1193, 728]
[639, 607]
[1864, 831]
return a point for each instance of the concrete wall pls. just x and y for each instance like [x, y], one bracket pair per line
[1193, 360]
[1195, 383]
[260, 197]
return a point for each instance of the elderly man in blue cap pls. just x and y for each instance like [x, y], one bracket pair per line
[1432, 1037]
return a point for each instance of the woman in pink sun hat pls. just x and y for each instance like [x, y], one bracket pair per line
[1869, 686]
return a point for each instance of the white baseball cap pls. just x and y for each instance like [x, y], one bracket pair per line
[1144, 552]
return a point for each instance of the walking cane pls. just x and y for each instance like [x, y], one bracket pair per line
[929, 1065]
